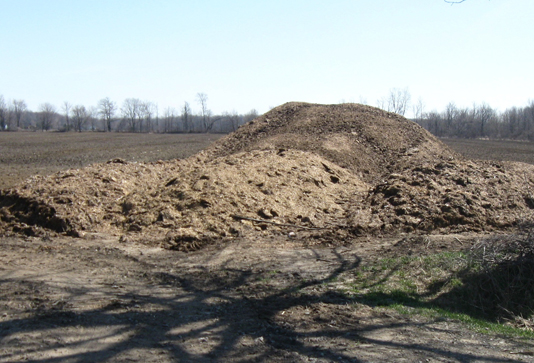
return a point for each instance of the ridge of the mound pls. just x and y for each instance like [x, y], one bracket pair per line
[368, 141]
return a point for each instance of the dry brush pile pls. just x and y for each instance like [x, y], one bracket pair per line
[307, 167]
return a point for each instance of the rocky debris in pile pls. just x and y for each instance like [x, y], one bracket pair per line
[368, 141]
[453, 196]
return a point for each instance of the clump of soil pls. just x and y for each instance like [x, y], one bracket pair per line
[453, 196]
[299, 167]
[79, 200]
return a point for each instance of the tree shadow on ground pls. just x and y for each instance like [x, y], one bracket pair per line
[202, 316]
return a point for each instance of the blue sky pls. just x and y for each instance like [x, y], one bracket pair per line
[258, 54]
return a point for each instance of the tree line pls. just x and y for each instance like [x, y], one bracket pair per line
[479, 121]
[133, 115]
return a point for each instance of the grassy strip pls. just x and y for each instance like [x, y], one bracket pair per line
[476, 324]
[441, 285]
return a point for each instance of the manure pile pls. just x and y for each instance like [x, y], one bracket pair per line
[300, 167]
[367, 141]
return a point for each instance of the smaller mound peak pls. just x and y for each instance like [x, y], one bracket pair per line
[368, 141]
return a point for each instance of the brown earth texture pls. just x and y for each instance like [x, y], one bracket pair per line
[322, 169]
[246, 251]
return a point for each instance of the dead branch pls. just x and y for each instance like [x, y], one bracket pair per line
[275, 223]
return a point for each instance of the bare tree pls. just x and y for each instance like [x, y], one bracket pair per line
[186, 117]
[232, 119]
[510, 118]
[434, 122]
[92, 113]
[398, 100]
[419, 110]
[19, 108]
[146, 111]
[156, 111]
[169, 119]
[251, 115]
[47, 116]
[131, 113]
[10, 117]
[107, 109]
[483, 114]
[207, 124]
[80, 116]
[3, 114]
[382, 103]
[210, 122]
[66, 108]
[529, 118]
[451, 118]
[482, 121]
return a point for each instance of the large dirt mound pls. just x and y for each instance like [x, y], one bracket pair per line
[300, 167]
[187, 202]
[368, 141]
[258, 191]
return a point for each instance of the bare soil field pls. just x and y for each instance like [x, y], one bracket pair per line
[23, 154]
[497, 150]
[249, 251]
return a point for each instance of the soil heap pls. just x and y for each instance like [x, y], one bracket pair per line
[369, 142]
[300, 167]
[186, 202]
[444, 197]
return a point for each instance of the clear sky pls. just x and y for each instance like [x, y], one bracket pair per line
[258, 54]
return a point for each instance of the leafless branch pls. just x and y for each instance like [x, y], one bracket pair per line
[275, 223]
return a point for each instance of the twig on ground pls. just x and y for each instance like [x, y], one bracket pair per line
[275, 223]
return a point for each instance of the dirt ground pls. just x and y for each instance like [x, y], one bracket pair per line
[270, 291]
[276, 300]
